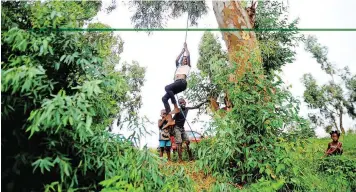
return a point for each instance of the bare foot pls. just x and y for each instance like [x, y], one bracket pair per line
[169, 123]
[175, 110]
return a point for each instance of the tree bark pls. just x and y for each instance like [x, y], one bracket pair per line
[335, 124]
[241, 45]
[341, 126]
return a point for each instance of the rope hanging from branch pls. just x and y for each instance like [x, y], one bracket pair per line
[186, 31]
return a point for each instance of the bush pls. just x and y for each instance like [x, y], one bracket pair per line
[339, 166]
[313, 172]
[248, 142]
[60, 93]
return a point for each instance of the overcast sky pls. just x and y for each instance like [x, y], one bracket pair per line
[158, 51]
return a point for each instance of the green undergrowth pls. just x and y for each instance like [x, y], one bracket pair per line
[310, 170]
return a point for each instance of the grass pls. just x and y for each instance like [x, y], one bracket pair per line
[305, 176]
[315, 172]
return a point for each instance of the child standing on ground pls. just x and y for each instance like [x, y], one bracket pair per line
[334, 147]
[164, 135]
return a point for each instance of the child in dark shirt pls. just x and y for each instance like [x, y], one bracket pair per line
[180, 135]
[334, 147]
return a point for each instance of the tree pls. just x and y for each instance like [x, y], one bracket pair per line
[134, 75]
[59, 94]
[277, 47]
[333, 99]
[110, 47]
[212, 60]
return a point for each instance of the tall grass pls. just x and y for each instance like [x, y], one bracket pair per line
[312, 171]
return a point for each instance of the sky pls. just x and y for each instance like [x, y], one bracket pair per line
[158, 51]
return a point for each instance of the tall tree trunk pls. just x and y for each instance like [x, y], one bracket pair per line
[334, 121]
[241, 45]
[341, 126]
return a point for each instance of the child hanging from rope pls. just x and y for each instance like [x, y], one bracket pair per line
[334, 147]
[179, 85]
[164, 136]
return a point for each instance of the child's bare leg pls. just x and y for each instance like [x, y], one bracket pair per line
[180, 152]
[168, 150]
[170, 121]
[175, 110]
[161, 152]
[189, 151]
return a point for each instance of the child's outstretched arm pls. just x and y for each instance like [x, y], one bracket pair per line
[198, 106]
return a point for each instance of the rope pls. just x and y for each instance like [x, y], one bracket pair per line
[186, 31]
[185, 40]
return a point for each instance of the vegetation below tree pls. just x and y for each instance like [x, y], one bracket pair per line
[310, 170]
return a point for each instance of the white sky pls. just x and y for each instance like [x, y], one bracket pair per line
[158, 52]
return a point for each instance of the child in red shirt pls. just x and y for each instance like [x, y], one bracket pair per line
[334, 147]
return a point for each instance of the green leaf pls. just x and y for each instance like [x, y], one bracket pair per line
[33, 129]
[53, 14]
[59, 188]
[295, 170]
[41, 50]
[280, 167]
[45, 45]
[66, 169]
[63, 57]
[262, 169]
[23, 45]
[43, 164]
[56, 65]
[70, 120]
[51, 50]
[108, 182]
[268, 171]
[88, 124]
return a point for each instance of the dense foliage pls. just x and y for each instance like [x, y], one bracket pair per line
[212, 60]
[154, 14]
[60, 93]
[278, 47]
